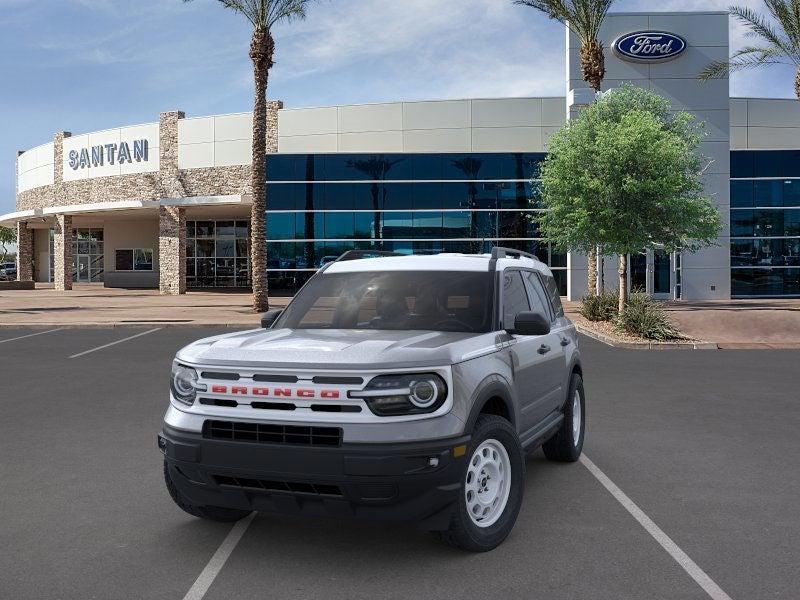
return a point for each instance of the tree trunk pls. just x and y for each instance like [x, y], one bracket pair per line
[601, 277]
[593, 67]
[797, 84]
[262, 48]
[591, 270]
[593, 70]
[623, 282]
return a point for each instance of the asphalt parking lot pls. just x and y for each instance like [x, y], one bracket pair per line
[704, 443]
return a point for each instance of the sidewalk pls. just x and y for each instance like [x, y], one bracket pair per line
[91, 305]
[735, 324]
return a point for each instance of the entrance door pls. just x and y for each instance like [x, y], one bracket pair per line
[83, 268]
[662, 271]
[638, 270]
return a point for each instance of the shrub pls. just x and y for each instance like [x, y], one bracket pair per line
[646, 318]
[601, 307]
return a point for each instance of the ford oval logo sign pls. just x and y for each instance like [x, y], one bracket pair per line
[649, 46]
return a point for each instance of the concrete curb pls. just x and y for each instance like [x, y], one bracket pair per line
[646, 345]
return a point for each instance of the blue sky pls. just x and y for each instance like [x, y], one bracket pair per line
[84, 65]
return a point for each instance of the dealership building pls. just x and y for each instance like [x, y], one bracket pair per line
[167, 204]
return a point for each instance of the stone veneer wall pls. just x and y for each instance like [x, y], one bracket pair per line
[62, 250]
[24, 252]
[169, 182]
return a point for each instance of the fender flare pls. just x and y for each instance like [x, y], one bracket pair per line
[493, 387]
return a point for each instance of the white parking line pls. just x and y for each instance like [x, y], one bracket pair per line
[688, 565]
[115, 343]
[214, 566]
[22, 337]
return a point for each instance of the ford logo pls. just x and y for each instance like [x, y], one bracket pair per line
[649, 46]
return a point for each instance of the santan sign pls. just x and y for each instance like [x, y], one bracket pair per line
[649, 46]
[97, 156]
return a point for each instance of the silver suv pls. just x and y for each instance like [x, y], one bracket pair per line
[398, 387]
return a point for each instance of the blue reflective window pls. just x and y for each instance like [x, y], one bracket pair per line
[765, 282]
[398, 225]
[742, 164]
[365, 225]
[339, 225]
[280, 226]
[281, 167]
[426, 166]
[768, 163]
[741, 194]
[742, 223]
[427, 225]
[426, 195]
[456, 225]
[791, 192]
[281, 196]
[397, 196]
[455, 195]
[339, 196]
[768, 193]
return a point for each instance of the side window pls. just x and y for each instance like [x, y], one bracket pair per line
[515, 299]
[555, 297]
[539, 302]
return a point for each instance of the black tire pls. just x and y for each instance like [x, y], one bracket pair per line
[212, 513]
[465, 534]
[563, 447]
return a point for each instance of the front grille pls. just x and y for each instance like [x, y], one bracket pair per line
[317, 489]
[267, 433]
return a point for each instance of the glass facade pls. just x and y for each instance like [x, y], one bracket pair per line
[217, 254]
[88, 262]
[765, 223]
[321, 205]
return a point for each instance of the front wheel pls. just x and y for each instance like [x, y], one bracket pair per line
[492, 488]
[567, 444]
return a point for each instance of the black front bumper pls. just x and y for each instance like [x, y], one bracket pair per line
[399, 482]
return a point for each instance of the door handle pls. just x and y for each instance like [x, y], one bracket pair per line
[565, 341]
[543, 349]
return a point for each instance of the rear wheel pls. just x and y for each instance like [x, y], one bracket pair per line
[567, 444]
[212, 513]
[491, 490]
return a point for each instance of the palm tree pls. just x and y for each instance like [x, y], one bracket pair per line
[779, 41]
[263, 15]
[584, 19]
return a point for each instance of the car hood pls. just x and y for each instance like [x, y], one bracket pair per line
[336, 348]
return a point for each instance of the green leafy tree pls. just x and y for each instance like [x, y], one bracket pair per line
[778, 40]
[626, 174]
[263, 15]
[8, 236]
[584, 19]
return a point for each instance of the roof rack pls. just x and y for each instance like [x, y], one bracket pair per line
[500, 252]
[359, 254]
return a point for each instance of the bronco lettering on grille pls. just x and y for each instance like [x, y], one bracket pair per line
[240, 390]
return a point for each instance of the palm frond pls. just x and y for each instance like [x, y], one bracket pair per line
[263, 14]
[583, 17]
[787, 14]
[759, 26]
[745, 58]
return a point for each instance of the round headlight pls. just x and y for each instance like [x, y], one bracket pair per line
[423, 393]
[184, 383]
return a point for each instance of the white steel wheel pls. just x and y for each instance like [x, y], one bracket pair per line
[577, 415]
[488, 483]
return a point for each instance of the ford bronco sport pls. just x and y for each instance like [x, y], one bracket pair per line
[399, 387]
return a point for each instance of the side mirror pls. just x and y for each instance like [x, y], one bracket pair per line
[269, 317]
[531, 323]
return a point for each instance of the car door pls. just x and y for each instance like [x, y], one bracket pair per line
[531, 356]
[556, 340]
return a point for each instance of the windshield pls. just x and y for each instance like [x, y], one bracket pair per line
[396, 300]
